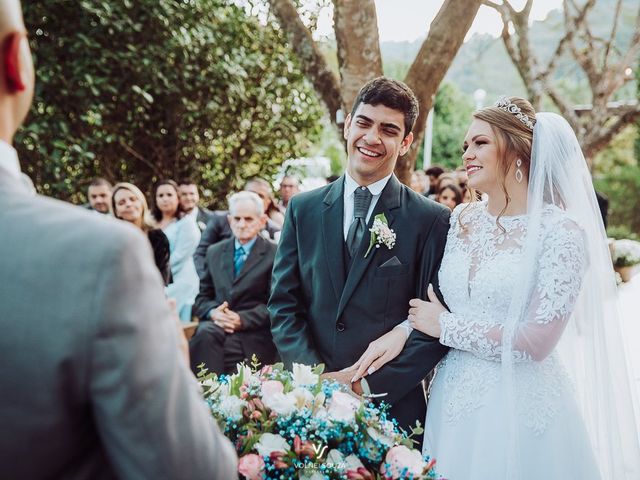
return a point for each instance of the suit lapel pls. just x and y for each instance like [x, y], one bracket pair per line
[227, 263]
[333, 234]
[388, 201]
[256, 253]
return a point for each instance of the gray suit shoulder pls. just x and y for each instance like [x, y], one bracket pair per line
[80, 227]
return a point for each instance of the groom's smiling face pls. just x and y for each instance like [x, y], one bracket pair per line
[375, 137]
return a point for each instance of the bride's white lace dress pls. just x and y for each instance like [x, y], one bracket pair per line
[466, 426]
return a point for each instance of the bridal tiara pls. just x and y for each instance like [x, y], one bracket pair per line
[505, 104]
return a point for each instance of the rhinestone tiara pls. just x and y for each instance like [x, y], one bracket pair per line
[505, 104]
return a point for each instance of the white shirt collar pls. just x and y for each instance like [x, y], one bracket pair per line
[350, 186]
[9, 159]
[193, 213]
[376, 188]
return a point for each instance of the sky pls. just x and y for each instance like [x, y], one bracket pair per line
[407, 20]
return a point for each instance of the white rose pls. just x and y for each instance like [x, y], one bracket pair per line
[270, 442]
[374, 434]
[303, 375]
[336, 458]
[246, 373]
[343, 407]
[281, 403]
[304, 398]
[353, 462]
[232, 406]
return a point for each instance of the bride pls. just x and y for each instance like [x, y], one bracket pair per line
[535, 383]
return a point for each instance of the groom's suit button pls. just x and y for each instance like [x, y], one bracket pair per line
[340, 327]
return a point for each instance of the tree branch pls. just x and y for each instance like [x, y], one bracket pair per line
[446, 34]
[359, 55]
[614, 30]
[607, 133]
[313, 62]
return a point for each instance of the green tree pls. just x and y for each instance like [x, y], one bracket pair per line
[452, 115]
[161, 88]
[636, 145]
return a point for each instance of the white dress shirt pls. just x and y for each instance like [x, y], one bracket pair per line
[9, 160]
[350, 186]
[193, 214]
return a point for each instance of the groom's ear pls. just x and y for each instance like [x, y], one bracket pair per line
[406, 143]
[14, 71]
[347, 125]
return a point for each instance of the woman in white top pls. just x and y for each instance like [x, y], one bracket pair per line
[183, 234]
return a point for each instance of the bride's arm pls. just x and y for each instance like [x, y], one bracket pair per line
[557, 287]
[381, 351]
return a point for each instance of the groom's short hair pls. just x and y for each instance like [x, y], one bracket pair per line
[392, 94]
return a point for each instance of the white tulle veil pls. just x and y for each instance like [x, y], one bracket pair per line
[591, 345]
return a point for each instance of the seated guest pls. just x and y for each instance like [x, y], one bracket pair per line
[218, 227]
[189, 198]
[263, 189]
[445, 179]
[419, 182]
[183, 235]
[232, 303]
[128, 203]
[450, 196]
[99, 194]
[289, 186]
[433, 173]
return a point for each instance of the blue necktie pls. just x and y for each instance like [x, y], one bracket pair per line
[238, 260]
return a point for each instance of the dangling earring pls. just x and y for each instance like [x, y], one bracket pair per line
[519, 175]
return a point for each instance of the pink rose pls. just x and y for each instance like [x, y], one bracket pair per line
[251, 466]
[400, 457]
[270, 387]
[266, 370]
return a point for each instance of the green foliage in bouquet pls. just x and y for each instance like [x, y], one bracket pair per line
[294, 424]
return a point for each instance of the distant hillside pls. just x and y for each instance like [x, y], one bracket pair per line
[482, 62]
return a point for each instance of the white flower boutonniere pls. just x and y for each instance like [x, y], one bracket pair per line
[381, 234]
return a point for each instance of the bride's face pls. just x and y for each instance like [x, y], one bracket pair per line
[480, 157]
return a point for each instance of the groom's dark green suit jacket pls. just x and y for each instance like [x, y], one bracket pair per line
[325, 309]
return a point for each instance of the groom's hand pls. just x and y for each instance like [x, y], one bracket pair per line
[344, 377]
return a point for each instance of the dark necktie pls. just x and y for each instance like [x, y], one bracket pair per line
[361, 201]
[238, 260]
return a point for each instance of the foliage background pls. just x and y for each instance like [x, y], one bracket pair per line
[139, 90]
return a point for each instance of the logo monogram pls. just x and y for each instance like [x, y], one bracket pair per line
[319, 450]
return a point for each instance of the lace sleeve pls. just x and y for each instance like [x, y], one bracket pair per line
[558, 284]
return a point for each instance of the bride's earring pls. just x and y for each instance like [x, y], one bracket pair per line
[519, 175]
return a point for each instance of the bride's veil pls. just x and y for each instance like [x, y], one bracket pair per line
[590, 344]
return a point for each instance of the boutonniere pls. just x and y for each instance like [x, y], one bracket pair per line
[381, 234]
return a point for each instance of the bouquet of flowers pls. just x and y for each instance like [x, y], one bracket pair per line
[626, 253]
[296, 425]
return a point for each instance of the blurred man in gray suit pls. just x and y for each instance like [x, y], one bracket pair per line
[94, 384]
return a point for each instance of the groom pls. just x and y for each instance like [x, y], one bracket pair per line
[331, 296]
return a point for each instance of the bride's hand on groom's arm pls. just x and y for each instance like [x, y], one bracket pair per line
[424, 316]
[378, 353]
